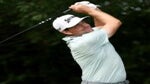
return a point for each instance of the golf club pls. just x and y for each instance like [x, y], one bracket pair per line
[34, 26]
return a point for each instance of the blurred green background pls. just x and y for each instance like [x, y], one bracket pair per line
[40, 56]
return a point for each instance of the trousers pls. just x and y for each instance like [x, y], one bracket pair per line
[123, 82]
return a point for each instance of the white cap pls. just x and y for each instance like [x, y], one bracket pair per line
[66, 21]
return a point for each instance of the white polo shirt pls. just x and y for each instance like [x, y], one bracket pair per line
[97, 57]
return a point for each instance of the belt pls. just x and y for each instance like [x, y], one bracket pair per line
[87, 82]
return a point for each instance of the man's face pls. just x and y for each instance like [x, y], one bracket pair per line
[79, 29]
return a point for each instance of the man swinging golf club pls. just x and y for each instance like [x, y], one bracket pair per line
[90, 46]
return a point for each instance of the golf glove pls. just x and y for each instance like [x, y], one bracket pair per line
[87, 3]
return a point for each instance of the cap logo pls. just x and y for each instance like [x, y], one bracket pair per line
[59, 29]
[68, 19]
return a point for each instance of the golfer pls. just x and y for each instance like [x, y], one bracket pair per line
[90, 46]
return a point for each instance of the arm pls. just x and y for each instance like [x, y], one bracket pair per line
[101, 19]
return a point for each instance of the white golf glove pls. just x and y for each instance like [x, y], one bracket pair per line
[87, 3]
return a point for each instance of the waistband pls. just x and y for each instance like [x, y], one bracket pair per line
[87, 82]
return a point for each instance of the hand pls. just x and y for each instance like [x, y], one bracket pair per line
[81, 8]
[87, 3]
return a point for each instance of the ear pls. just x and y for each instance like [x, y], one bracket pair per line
[67, 32]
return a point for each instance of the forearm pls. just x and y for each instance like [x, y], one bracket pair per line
[97, 22]
[106, 21]
[102, 18]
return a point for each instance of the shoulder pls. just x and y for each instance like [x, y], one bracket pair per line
[100, 31]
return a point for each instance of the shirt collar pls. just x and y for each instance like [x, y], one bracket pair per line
[69, 38]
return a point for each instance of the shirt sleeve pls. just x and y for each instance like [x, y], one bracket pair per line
[98, 36]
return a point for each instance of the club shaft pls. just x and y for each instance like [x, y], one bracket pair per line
[18, 33]
[34, 26]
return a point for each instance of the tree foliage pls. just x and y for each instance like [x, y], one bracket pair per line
[39, 55]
